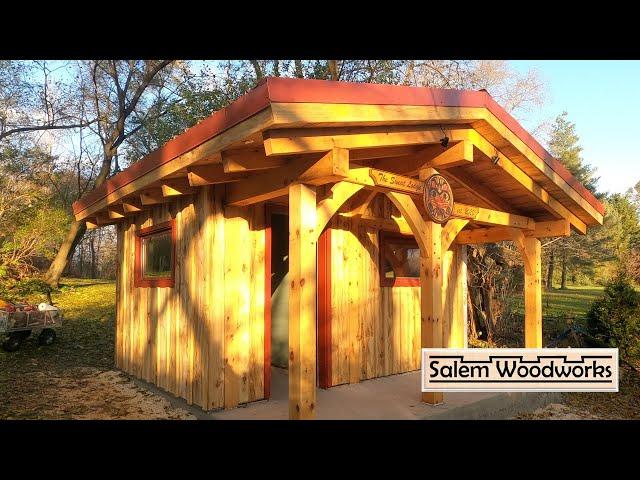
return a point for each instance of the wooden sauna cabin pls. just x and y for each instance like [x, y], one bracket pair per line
[322, 227]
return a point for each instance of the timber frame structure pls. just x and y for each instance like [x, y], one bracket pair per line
[345, 161]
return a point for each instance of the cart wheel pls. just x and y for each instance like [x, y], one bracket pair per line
[13, 343]
[47, 336]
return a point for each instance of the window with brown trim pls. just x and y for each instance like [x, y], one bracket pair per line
[399, 260]
[155, 255]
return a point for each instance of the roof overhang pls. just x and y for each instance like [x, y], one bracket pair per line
[282, 104]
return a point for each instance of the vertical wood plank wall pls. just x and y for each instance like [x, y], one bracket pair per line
[202, 340]
[375, 331]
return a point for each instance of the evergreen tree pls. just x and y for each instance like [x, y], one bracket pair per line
[574, 250]
[564, 145]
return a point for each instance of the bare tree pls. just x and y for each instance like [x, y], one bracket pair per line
[34, 99]
[115, 92]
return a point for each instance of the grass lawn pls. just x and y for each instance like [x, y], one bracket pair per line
[75, 377]
[573, 302]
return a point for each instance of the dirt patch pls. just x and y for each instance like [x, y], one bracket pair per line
[624, 404]
[558, 411]
[75, 377]
[90, 394]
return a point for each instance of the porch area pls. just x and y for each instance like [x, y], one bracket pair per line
[386, 398]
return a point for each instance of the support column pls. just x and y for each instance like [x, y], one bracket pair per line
[532, 293]
[429, 238]
[431, 296]
[458, 299]
[302, 301]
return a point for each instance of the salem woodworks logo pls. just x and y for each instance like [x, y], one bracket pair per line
[520, 369]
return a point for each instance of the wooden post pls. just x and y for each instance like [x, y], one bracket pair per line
[431, 296]
[531, 256]
[429, 238]
[532, 293]
[302, 301]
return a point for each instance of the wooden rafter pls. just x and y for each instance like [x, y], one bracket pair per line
[201, 175]
[478, 189]
[132, 205]
[176, 187]
[297, 141]
[294, 115]
[209, 149]
[459, 154]
[537, 191]
[318, 170]
[116, 212]
[373, 179]
[554, 228]
[244, 160]
[152, 197]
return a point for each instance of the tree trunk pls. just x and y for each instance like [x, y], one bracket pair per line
[257, 69]
[92, 249]
[488, 314]
[77, 229]
[80, 261]
[563, 284]
[550, 269]
[333, 69]
[473, 331]
[74, 235]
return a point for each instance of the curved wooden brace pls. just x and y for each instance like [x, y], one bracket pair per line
[404, 203]
[363, 208]
[327, 208]
[519, 239]
[451, 230]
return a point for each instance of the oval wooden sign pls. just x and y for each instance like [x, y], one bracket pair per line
[438, 198]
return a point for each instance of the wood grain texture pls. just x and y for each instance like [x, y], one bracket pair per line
[177, 337]
[388, 328]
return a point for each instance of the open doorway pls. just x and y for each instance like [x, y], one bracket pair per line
[277, 308]
[279, 222]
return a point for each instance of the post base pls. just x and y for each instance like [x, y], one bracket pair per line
[433, 398]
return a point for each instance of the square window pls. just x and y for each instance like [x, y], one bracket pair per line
[155, 256]
[399, 261]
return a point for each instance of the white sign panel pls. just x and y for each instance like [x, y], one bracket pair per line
[519, 369]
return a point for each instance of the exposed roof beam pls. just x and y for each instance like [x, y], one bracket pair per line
[549, 202]
[458, 155]
[201, 175]
[116, 212]
[478, 189]
[382, 152]
[91, 223]
[296, 141]
[243, 160]
[557, 228]
[207, 150]
[132, 205]
[377, 180]
[177, 187]
[152, 197]
[320, 169]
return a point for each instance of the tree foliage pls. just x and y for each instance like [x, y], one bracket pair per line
[615, 318]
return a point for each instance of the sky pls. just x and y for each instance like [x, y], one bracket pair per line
[602, 98]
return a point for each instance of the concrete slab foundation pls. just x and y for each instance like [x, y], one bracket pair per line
[389, 398]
